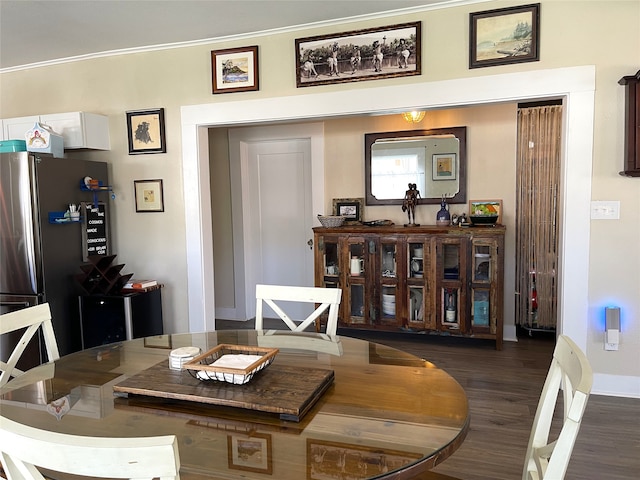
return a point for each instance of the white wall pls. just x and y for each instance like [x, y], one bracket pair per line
[600, 33]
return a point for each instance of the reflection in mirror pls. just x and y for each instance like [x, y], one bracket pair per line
[435, 160]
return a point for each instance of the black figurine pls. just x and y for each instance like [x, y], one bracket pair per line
[409, 204]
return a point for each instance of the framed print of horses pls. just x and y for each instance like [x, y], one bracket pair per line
[235, 70]
[369, 54]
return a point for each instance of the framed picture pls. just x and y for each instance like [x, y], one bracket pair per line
[148, 195]
[369, 54]
[235, 70]
[443, 166]
[251, 452]
[351, 208]
[486, 207]
[146, 131]
[327, 460]
[158, 341]
[504, 36]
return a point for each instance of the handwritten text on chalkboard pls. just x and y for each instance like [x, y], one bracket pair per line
[95, 233]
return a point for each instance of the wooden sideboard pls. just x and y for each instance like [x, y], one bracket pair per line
[440, 280]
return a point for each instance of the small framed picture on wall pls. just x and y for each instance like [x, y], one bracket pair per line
[145, 129]
[149, 196]
[235, 70]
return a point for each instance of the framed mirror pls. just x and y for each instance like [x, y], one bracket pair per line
[435, 160]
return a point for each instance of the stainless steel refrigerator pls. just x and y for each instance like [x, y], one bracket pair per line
[39, 257]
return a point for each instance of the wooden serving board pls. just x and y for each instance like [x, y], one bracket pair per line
[287, 391]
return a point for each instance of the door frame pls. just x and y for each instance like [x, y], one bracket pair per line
[242, 217]
[575, 85]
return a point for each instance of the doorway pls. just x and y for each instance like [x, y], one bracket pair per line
[277, 182]
[575, 84]
[538, 215]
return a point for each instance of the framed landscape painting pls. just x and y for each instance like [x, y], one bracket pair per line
[235, 70]
[250, 452]
[370, 54]
[504, 36]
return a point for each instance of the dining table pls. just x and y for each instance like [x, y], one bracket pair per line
[327, 407]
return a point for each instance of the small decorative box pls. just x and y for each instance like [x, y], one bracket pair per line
[41, 139]
[182, 355]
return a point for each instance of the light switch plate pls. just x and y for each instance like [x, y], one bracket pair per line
[605, 210]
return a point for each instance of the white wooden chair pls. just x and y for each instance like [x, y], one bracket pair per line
[32, 319]
[570, 373]
[23, 448]
[328, 298]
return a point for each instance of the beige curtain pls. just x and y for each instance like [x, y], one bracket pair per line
[538, 179]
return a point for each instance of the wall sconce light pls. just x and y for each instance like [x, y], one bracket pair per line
[413, 117]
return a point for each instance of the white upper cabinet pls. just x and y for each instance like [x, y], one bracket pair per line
[78, 129]
[15, 128]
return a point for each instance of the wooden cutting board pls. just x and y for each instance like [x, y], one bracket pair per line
[287, 391]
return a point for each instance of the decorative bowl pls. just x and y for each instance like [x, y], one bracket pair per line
[330, 221]
[483, 219]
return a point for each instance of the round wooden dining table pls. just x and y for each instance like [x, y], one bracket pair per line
[364, 410]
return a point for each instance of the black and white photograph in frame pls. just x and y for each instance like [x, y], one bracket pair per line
[350, 208]
[370, 54]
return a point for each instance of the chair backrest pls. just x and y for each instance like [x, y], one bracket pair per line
[570, 372]
[31, 319]
[328, 298]
[285, 340]
[23, 448]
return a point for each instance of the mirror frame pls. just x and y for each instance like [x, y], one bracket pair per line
[459, 132]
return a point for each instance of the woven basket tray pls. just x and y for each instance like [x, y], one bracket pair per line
[330, 221]
[201, 366]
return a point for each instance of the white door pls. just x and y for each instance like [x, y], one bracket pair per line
[277, 213]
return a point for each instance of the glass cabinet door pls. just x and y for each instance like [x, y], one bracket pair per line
[482, 271]
[480, 301]
[330, 262]
[483, 278]
[388, 301]
[416, 260]
[452, 287]
[418, 302]
[356, 268]
[416, 305]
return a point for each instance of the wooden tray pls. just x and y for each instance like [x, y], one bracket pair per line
[287, 391]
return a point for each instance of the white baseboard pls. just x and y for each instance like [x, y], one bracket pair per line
[509, 333]
[616, 385]
[228, 314]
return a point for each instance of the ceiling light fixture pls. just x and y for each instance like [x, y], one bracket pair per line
[413, 117]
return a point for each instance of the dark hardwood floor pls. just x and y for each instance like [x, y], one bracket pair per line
[503, 389]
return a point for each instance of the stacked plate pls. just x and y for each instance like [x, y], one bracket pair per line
[388, 304]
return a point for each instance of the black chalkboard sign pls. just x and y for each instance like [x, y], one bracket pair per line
[95, 230]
